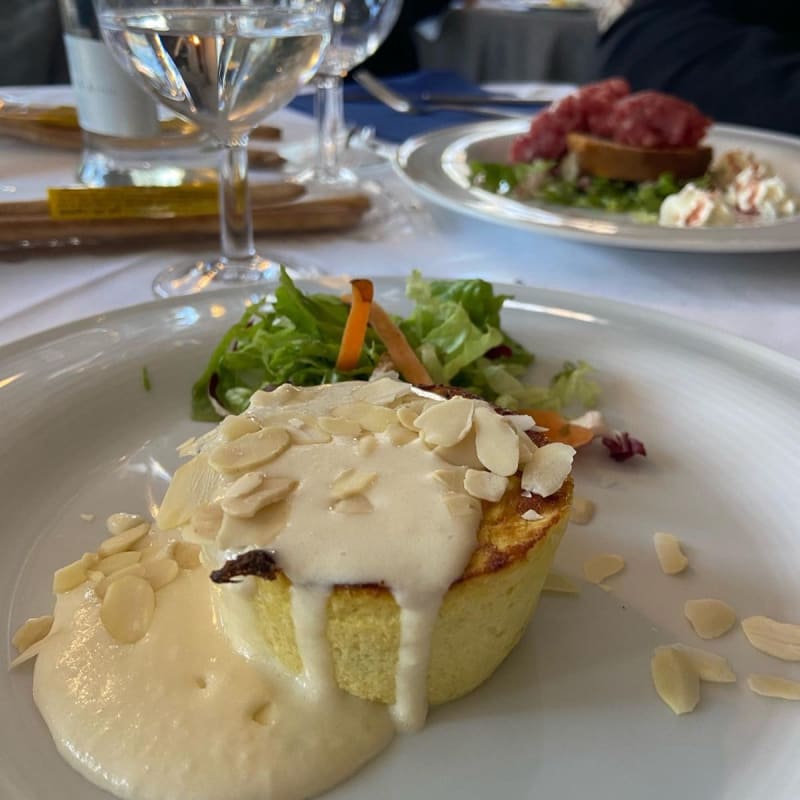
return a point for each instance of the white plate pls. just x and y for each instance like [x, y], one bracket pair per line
[572, 712]
[437, 166]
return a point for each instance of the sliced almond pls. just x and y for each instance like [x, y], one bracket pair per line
[257, 531]
[463, 454]
[127, 609]
[94, 576]
[307, 433]
[206, 520]
[709, 666]
[670, 556]
[29, 653]
[582, 511]
[161, 571]
[526, 448]
[675, 679]
[123, 541]
[710, 618]
[779, 639]
[462, 505]
[31, 631]
[371, 417]
[90, 560]
[118, 561]
[249, 451]
[121, 522]
[381, 391]
[187, 448]
[445, 424]
[559, 584]
[366, 445]
[233, 427]
[87, 517]
[593, 421]
[68, 577]
[548, 468]
[520, 422]
[248, 483]
[451, 479]
[496, 442]
[186, 554]
[271, 490]
[773, 686]
[407, 416]
[600, 567]
[101, 587]
[354, 504]
[352, 481]
[339, 426]
[485, 485]
[400, 435]
[531, 515]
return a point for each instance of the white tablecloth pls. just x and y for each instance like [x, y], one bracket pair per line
[754, 296]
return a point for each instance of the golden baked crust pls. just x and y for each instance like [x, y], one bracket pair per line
[482, 617]
[606, 159]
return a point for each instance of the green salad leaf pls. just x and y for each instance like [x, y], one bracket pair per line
[454, 328]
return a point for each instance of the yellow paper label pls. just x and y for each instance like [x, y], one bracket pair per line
[121, 202]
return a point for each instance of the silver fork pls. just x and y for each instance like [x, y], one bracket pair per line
[402, 105]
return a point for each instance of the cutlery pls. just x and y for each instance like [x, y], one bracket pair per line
[402, 105]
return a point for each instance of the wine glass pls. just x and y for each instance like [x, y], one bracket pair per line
[224, 66]
[359, 28]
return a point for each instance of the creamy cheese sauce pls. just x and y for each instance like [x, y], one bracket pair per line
[181, 714]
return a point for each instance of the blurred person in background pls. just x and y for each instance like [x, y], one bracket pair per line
[737, 60]
[32, 51]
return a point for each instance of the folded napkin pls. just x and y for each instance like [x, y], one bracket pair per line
[361, 108]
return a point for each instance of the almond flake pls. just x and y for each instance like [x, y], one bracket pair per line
[462, 505]
[187, 447]
[675, 679]
[29, 653]
[485, 485]
[87, 517]
[548, 468]
[250, 450]
[670, 556]
[248, 483]
[123, 541]
[308, 434]
[773, 686]
[520, 422]
[127, 609]
[451, 479]
[161, 571]
[206, 520]
[582, 511]
[366, 445]
[101, 587]
[340, 426]
[400, 435]
[121, 522]
[350, 482]
[381, 391]
[600, 567]
[710, 618]
[407, 416]
[186, 554]
[531, 515]
[593, 421]
[779, 639]
[526, 448]
[559, 584]
[118, 561]
[68, 577]
[496, 442]
[445, 424]
[354, 504]
[270, 490]
[462, 454]
[31, 631]
[233, 427]
[709, 666]
[371, 417]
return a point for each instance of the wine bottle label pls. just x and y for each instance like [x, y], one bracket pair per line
[109, 101]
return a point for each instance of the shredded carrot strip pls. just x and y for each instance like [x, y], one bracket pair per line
[355, 329]
[400, 351]
[560, 429]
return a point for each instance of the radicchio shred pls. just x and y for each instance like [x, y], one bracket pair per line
[622, 446]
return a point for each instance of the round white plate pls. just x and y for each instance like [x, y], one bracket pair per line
[572, 712]
[437, 166]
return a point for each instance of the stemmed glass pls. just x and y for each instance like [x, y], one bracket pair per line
[359, 28]
[224, 66]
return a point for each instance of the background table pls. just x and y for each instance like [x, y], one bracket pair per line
[755, 296]
[498, 44]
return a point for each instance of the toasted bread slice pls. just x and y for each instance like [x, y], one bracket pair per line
[482, 617]
[606, 159]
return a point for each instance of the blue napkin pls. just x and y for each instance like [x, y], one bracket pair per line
[361, 108]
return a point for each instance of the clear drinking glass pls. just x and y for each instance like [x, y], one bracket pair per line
[359, 28]
[224, 66]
